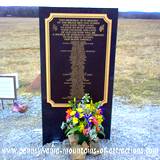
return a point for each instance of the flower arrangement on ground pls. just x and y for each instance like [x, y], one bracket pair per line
[84, 118]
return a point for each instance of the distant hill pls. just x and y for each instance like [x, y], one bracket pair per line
[18, 11]
[33, 12]
[140, 15]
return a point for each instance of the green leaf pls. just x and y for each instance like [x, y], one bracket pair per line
[66, 130]
[63, 126]
[94, 136]
[73, 130]
[101, 127]
[86, 98]
[93, 133]
[102, 133]
[97, 104]
[82, 138]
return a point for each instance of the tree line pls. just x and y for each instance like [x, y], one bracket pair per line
[34, 12]
[18, 11]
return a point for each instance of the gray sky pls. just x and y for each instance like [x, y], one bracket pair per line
[123, 5]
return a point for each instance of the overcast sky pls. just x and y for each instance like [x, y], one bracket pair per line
[123, 5]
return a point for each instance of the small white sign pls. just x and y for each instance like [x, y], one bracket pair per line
[12, 74]
[7, 87]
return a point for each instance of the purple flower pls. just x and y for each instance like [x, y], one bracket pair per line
[86, 126]
[87, 116]
[77, 115]
[102, 109]
[89, 123]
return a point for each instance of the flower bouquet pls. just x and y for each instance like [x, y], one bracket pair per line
[83, 121]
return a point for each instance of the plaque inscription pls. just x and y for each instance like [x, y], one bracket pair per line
[83, 41]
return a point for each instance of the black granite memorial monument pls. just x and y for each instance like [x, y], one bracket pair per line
[77, 56]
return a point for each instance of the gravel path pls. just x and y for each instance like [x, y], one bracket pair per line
[135, 134]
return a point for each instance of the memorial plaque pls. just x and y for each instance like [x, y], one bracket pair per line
[77, 57]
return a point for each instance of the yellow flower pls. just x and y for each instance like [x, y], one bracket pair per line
[72, 113]
[91, 107]
[100, 121]
[81, 127]
[88, 106]
[75, 120]
[81, 115]
[79, 110]
[99, 118]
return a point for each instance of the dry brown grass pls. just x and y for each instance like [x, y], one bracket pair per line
[19, 48]
[137, 73]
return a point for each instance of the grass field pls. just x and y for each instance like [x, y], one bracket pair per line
[19, 48]
[137, 72]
